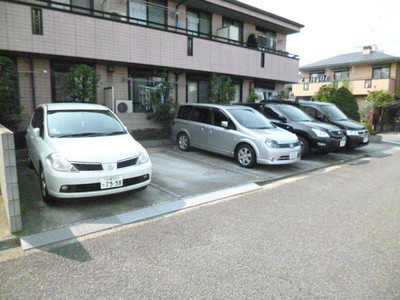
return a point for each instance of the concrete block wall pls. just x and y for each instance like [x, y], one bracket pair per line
[9, 180]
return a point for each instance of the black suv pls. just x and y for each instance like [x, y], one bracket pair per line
[313, 135]
[356, 133]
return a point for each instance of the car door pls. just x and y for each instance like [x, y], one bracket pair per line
[220, 139]
[199, 126]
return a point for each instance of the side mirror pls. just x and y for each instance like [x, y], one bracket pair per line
[224, 124]
[36, 132]
[282, 119]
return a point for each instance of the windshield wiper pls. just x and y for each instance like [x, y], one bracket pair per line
[81, 134]
[115, 133]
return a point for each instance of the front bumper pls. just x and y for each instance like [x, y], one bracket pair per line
[87, 184]
[356, 141]
[327, 144]
[279, 156]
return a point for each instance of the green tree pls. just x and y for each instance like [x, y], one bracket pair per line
[346, 102]
[161, 103]
[10, 108]
[378, 98]
[222, 89]
[325, 93]
[81, 83]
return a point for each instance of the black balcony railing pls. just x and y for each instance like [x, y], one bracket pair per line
[114, 16]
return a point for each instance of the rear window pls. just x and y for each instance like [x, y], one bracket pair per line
[184, 112]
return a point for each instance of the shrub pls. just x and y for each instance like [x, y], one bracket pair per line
[369, 127]
[380, 97]
[81, 83]
[9, 95]
[346, 101]
[151, 134]
[325, 93]
[222, 89]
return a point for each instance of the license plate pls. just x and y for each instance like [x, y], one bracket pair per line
[366, 139]
[342, 143]
[293, 155]
[111, 182]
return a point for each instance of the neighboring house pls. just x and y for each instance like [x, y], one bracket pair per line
[131, 43]
[364, 71]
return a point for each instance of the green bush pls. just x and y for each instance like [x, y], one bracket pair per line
[222, 89]
[10, 108]
[151, 134]
[346, 102]
[369, 127]
[81, 83]
[378, 98]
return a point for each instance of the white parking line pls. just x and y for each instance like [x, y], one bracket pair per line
[74, 231]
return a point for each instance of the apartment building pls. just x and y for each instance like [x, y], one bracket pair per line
[365, 71]
[131, 43]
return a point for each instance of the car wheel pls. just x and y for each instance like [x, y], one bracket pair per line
[30, 163]
[183, 142]
[305, 146]
[246, 156]
[50, 200]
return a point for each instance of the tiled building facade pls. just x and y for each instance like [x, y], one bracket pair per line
[131, 42]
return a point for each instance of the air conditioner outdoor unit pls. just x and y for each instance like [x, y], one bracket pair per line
[123, 106]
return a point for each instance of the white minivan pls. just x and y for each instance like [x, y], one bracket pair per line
[235, 131]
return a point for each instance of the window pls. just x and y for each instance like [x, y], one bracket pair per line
[271, 113]
[198, 23]
[198, 90]
[341, 75]
[87, 5]
[317, 76]
[368, 83]
[311, 111]
[200, 114]
[37, 21]
[59, 74]
[381, 72]
[262, 60]
[234, 35]
[184, 112]
[306, 86]
[190, 46]
[151, 12]
[237, 97]
[218, 117]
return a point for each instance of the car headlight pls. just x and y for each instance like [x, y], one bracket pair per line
[60, 163]
[351, 132]
[320, 133]
[271, 143]
[143, 156]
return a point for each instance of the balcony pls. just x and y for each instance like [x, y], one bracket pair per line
[357, 86]
[92, 34]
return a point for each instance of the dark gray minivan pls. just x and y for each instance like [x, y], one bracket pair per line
[235, 131]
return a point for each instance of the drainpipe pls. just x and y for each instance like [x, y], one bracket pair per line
[176, 87]
[32, 83]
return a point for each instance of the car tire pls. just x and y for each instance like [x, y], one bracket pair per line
[246, 156]
[30, 163]
[47, 198]
[305, 146]
[183, 142]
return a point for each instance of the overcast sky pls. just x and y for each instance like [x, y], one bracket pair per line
[338, 26]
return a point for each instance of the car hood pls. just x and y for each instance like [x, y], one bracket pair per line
[104, 149]
[278, 134]
[319, 125]
[349, 125]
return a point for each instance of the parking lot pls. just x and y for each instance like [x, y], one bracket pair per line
[176, 175]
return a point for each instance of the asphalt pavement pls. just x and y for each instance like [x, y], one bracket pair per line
[330, 234]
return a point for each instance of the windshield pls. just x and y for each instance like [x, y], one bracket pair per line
[334, 113]
[81, 123]
[250, 118]
[295, 114]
